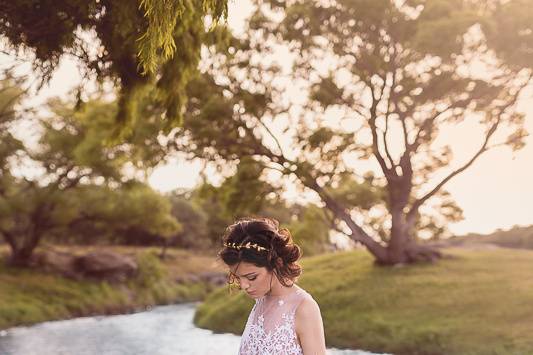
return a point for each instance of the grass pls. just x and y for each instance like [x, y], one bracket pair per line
[29, 296]
[476, 303]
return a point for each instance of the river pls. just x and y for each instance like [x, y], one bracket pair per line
[162, 330]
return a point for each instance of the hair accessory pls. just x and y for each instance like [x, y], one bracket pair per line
[247, 246]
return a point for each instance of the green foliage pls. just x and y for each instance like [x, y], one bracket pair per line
[208, 198]
[11, 96]
[82, 193]
[194, 221]
[446, 20]
[41, 297]
[150, 271]
[98, 213]
[158, 41]
[245, 192]
[208, 210]
[510, 31]
[361, 194]
[150, 42]
[225, 316]
[326, 92]
[310, 230]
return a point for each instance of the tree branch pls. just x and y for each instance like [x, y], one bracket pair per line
[416, 205]
[271, 135]
[358, 234]
[387, 114]
[389, 172]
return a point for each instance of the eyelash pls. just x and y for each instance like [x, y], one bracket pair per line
[250, 279]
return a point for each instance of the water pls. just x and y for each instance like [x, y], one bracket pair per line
[163, 330]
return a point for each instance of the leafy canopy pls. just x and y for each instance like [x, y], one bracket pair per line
[133, 44]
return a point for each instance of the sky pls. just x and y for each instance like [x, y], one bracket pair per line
[495, 193]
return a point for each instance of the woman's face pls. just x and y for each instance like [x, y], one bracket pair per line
[254, 280]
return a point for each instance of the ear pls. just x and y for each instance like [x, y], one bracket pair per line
[275, 272]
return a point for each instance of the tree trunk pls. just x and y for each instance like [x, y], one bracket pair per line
[407, 252]
[21, 257]
[401, 249]
[21, 254]
[163, 253]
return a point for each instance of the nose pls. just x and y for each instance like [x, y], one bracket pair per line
[245, 285]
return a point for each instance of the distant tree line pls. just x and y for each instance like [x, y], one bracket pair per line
[517, 237]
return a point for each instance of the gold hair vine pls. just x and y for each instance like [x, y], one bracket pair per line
[247, 246]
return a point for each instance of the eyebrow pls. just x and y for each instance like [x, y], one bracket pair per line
[248, 274]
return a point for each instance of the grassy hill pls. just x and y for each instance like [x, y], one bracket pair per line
[478, 302]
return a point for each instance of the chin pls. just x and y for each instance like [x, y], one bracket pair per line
[253, 295]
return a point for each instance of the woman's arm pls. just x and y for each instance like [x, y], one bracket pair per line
[309, 328]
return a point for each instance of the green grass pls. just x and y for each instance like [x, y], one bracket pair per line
[477, 303]
[29, 296]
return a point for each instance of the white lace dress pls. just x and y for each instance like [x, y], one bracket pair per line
[270, 327]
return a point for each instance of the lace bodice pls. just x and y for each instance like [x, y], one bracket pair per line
[270, 327]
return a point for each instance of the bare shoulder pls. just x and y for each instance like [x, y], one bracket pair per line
[309, 327]
[308, 309]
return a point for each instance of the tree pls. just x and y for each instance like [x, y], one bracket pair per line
[194, 234]
[138, 45]
[11, 95]
[207, 210]
[82, 181]
[311, 230]
[392, 88]
[132, 213]
[242, 194]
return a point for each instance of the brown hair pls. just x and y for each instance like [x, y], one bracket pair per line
[280, 257]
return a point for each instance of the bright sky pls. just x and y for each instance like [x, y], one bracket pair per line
[496, 192]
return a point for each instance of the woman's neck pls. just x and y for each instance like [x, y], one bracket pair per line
[280, 290]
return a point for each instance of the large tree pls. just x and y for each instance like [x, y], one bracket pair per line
[383, 80]
[138, 45]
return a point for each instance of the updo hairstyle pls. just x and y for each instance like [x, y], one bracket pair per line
[281, 254]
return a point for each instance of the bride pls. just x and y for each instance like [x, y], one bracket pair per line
[262, 261]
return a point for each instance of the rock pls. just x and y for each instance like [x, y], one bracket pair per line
[213, 277]
[56, 262]
[193, 278]
[106, 265]
[181, 279]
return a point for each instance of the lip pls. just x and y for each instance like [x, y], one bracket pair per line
[251, 293]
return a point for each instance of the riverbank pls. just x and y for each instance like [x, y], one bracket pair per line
[29, 296]
[476, 303]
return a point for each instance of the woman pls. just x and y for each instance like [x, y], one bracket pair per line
[262, 260]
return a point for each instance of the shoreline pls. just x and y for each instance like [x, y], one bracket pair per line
[119, 312]
[31, 296]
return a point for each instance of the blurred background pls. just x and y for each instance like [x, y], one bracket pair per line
[390, 137]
